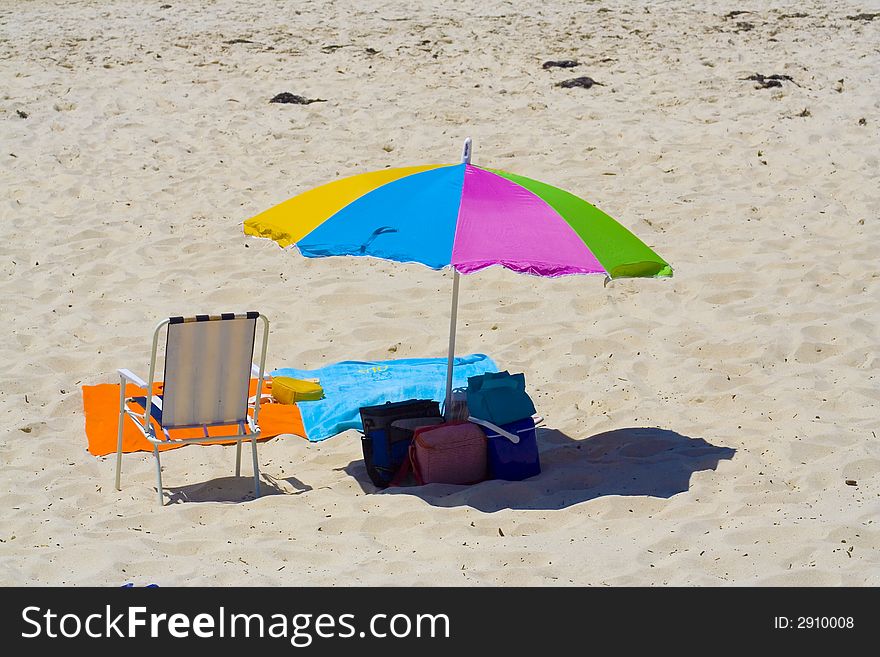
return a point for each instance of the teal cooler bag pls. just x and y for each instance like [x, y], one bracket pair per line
[499, 397]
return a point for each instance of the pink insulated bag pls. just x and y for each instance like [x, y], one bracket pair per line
[452, 453]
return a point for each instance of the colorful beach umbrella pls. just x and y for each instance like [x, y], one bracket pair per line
[458, 215]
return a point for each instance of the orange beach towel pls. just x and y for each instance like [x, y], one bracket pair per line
[101, 407]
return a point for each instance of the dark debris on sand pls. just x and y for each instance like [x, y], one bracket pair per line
[21, 114]
[795, 15]
[234, 41]
[293, 99]
[743, 26]
[864, 17]
[582, 82]
[561, 63]
[770, 81]
[734, 14]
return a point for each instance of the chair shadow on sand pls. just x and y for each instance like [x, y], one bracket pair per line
[234, 489]
[632, 461]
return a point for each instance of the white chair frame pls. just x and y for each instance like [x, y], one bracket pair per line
[143, 420]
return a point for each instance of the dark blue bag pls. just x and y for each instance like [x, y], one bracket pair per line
[499, 397]
[513, 461]
[385, 446]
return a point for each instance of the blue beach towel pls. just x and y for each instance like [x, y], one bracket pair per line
[352, 384]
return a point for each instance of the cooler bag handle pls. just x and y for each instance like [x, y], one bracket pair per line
[512, 437]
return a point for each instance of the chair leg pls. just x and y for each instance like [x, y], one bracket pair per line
[119, 433]
[256, 467]
[238, 459]
[158, 475]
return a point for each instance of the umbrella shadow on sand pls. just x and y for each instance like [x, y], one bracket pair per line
[632, 461]
[234, 489]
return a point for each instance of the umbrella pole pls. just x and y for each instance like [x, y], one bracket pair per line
[453, 318]
[452, 322]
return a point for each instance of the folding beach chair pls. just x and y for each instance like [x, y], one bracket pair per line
[207, 377]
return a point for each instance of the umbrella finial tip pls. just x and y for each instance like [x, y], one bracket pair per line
[466, 151]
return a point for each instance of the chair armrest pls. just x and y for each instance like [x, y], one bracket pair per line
[134, 378]
[255, 372]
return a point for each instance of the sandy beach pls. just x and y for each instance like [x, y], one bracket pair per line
[700, 430]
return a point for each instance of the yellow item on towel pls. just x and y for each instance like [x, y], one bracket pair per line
[286, 390]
